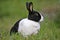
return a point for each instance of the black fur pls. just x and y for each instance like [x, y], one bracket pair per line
[14, 29]
[28, 4]
[35, 16]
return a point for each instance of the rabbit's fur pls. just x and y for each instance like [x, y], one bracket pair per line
[29, 25]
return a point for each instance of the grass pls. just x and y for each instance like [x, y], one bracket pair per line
[13, 10]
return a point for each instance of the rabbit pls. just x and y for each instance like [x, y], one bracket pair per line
[29, 25]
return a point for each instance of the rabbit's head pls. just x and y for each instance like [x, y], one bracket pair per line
[33, 15]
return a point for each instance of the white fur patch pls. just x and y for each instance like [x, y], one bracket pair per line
[28, 27]
[41, 18]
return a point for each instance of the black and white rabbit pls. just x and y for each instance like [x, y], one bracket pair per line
[29, 25]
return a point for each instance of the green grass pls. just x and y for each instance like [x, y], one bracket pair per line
[13, 10]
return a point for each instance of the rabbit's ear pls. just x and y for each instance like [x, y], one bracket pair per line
[29, 6]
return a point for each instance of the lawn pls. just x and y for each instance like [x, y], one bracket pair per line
[13, 10]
